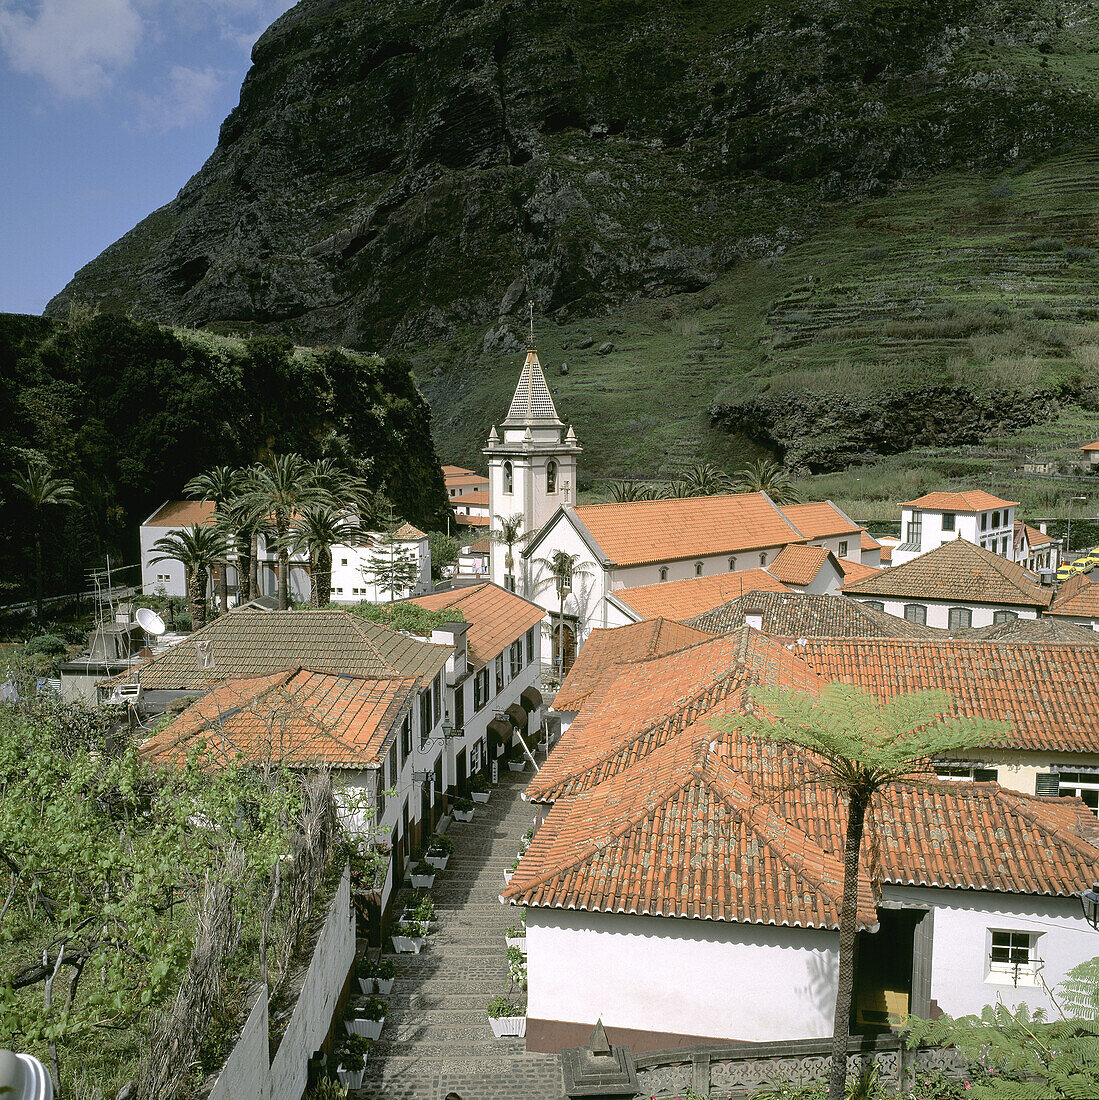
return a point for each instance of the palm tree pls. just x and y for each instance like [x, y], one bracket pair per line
[316, 530]
[625, 492]
[705, 479]
[221, 485]
[197, 548]
[42, 490]
[765, 476]
[508, 534]
[861, 746]
[277, 491]
[676, 488]
[561, 567]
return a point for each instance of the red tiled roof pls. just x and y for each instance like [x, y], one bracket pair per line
[821, 519]
[478, 498]
[608, 648]
[496, 617]
[1078, 598]
[481, 546]
[957, 571]
[1034, 537]
[1049, 692]
[472, 521]
[182, 513]
[297, 717]
[452, 471]
[799, 564]
[1091, 446]
[855, 571]
[640, 532]
[868, 542]
[687, 598]
[886, 553]
[409, 533]
[974, 500]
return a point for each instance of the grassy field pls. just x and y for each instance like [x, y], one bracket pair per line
[981, 281]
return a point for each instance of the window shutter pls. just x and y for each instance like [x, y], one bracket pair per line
[1048, 784]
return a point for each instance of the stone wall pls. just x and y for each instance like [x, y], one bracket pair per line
[249, 1072]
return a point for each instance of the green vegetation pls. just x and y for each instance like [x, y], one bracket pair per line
[128, 411]
[402, 616]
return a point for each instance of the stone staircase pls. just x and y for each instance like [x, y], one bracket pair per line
[437, 1039]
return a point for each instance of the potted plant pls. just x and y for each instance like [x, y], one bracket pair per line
[517, 760]
[375, 975]
[508, 1016]
[439, 851]
[517, 967]
[364, 973]
[463, 809]
[419, 910]
[479, 788]
[516, 935]
[367, 1017]
[408, 938]
[511, 871]
[525, 840]
[353, 1053]
[423, 876]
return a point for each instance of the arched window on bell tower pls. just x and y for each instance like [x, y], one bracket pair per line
[551, 476]
[509, 479]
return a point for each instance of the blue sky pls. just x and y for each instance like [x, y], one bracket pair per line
[107, 107]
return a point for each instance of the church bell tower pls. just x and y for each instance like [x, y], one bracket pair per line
[531, 465]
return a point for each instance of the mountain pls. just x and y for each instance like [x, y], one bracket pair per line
[407, 174]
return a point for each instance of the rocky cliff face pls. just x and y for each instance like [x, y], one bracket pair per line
[397, 169]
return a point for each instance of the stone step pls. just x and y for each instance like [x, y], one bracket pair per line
[468, 999]
[483, 1045]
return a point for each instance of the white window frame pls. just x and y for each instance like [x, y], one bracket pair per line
[1015, 973]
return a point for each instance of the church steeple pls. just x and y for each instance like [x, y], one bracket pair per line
[532, 403]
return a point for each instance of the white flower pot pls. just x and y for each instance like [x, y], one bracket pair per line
[517, 941]
[480, 796]
[407, 945]
[517, 765]
[438, 862]
[422, 882]
[367, 986]
[385, 985]
[509, 1027]
[507, 877]
[463, 815]
[351, 1078]
[368, 1029]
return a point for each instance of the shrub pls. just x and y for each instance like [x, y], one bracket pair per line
[1043, 313]
[1080, 255]
[875, 252]
[1045, 244]
[423, 868]
[440, 842]
[517, 967]
[479, 783]
[1000, 190]
[49, 645]
[353, 1048]
[373, 1008]
[411, 928]
[463, 804]
[420, 907]
[503, 1005]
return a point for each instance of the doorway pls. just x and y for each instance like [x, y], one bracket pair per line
[892, 969]
[564, 647]
[460, 776]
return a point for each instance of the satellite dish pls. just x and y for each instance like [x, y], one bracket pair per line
[150, 621]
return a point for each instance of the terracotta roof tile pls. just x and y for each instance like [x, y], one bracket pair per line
[496, 617]
[856, 571]
[1091, 446]
[1037, 631]
[868, 542]
[478, 498]
[974, 500]
[409, 532]
[687, 598]
[956, 571]
[799, 564]
[455, 471]
[251, 642]
[1078, 597]
[640, 532]
[606, 649]
[1034, 537]
[298, 718]
[801, 615]
[820, 519]
[472, 521]
[182, 513]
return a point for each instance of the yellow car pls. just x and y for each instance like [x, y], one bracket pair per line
[1066, 571]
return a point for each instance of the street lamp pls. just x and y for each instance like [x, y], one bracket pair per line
[1089, 899]
[1068, 533]
[859, 480]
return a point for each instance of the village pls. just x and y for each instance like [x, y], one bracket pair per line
[597, 805]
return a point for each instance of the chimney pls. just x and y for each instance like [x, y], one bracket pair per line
[754, 619]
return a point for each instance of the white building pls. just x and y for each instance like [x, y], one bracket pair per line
[352, 581]
[1077, 601]
[953, 586]
[683, 861]
[1035, 549]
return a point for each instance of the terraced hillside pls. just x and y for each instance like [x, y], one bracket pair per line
[964, 306]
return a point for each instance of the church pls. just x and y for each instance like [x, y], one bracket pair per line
[615, 548]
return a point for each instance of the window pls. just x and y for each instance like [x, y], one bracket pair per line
[1082, 785]
[663, 572]
[1003, 548]
[948, 521]
[393, 763]
[915, 530]
[480, 690]
[763, 559]
[530, 645]
[1004, 616]
[732, 565]
[551, 476]
[509, 582]
[437, 699]
[1013, 955]
[343, 561]
[915, 613]
[698, 569]
[877, 605]
[379, 796]
[499, 674]
[406, 737]
[959, 617]
[339, 591]
[425, 715]
[962, 772]
[984, 521]
[843, 549]
[995, 519]
[459, 706]
[509, 478]
[516, 654]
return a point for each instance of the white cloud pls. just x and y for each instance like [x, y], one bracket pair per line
[77, 46]
[188, 98]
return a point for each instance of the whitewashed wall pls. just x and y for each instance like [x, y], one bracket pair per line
[247, 1073]
[689, 977]
[938, 611]
[960, 981]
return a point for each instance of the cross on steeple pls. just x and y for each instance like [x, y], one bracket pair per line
[530, 344]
